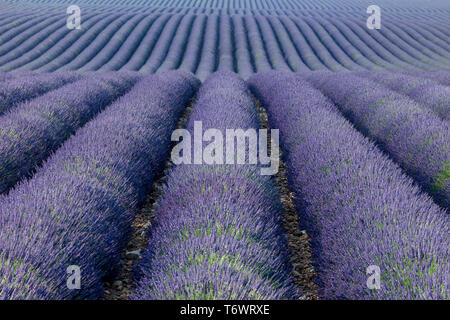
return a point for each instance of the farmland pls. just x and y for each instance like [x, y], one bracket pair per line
[116, 164]
[202, 40]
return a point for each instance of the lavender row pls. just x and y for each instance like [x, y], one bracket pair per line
[207, 58]
[18, 41]
[161, 47]
[245, 63]
[129, 44]
[356, 204]
[141, 54]
[218, 231]
[443, 77]
[412, 135]
[21, 89]
[34, 57]
[77, 209]
[38, 127]
[93, 50]
[5, 76]
[203, 41]
[112, 48]
[428, 93]
[176, 49]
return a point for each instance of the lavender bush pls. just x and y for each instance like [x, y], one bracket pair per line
[78, 208]
[272, 45]
[331, 46]
[18, 90]
[16, 44]
[4, 76]
[105, 54]
[207, 59]
[130, 44]
[244, 63]
[175, 52]
[161, 47]
[226, 45]
[37, 128]
[89, 51]
[142, 53]
[357, 205]
[443, 77]
[301, 43]
[155, 39]
[428, 93]
[413, 136]
[398, 48]
[286, 41]
[218, 231]
[45, 51]
[369, 48]
[71, 46]
[259, 54]
[318, 48]
[190, 58]
[354, 52]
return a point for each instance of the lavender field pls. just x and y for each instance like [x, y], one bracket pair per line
[224, 150]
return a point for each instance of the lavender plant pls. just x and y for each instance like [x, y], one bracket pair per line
[21, 89]
[218, 231]
[426, 92]
[443, 77]
[356, 204]
[77, 209]
[36, 128]
[413, 136]
[5, 76]
[244, 63]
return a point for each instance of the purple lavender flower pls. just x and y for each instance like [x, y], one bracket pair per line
[78, 208]
[356, 204]
[218, 232]
[412, 135]
[17, 90]
[36, 128]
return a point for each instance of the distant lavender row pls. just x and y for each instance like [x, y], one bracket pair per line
[428, 93]
[17, 90]
[442, 77]
[413, 136]
[4, 76]
[29, 134]
[218, 231]
[77, 209]
[203, 41]
[357, 205]
[274, 6]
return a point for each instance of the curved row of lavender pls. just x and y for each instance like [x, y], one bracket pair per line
[204, 41]
[78, 208]
[36, 128]
[231, 4]
[218, 232]
[414, 137]
[428, 93]
[22, 88]
[4, 76]
[442, 77]
[357, 205]
[402, 12]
